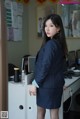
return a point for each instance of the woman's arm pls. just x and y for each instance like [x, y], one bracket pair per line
[43, 65]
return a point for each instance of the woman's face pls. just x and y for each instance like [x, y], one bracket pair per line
[51, 29]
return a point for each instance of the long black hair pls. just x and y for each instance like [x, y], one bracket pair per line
[60, 36]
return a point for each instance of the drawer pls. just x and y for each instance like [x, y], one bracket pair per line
[75, 86]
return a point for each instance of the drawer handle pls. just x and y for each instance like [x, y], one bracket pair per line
[21, 107]
[71, 92]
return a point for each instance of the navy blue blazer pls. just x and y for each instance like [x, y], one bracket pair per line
[49, 66]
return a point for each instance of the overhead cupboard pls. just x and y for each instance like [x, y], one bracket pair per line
[71, 20]
[14, 19]
[70, 14]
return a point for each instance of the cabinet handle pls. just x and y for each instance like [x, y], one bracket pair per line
[71, 91]
[21, 107]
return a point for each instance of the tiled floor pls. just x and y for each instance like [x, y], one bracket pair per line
[72, 115]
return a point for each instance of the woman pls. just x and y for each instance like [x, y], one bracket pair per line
[49, 68]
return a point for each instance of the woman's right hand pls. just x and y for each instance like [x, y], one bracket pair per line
[32, 90]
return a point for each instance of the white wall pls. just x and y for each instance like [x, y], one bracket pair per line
[16, 50]
[73, 44]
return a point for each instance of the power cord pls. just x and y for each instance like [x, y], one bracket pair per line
[70, 102]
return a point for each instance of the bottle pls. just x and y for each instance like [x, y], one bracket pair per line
[23, 76]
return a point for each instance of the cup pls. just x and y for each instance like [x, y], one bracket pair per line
[16, 75]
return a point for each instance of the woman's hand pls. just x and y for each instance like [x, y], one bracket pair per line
[32, 90]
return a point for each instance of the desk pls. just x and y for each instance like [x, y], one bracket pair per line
[71, 86]
[23, 106]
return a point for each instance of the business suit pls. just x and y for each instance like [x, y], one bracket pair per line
[49, 75]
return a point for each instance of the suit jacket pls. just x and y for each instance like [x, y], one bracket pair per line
[49, 66]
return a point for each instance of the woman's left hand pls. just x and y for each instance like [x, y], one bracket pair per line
[32, 90]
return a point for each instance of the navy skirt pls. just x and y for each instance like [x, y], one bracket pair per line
[49, 98]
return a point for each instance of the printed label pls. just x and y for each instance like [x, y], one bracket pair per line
[3, 114]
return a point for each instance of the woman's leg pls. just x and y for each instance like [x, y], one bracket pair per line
[54, 113]
[40, 112]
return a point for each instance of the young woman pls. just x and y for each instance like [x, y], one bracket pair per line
[49, 68]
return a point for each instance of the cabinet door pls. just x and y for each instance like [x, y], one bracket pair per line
[16, 100]
[31, 105]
